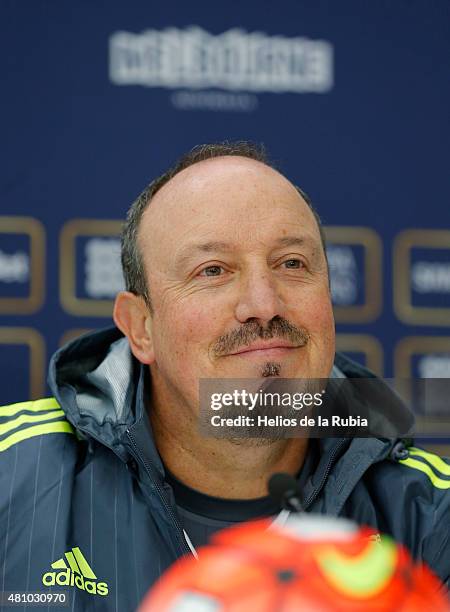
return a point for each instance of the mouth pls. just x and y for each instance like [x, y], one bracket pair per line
[272, 349]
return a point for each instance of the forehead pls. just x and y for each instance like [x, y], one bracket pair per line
[233, 199]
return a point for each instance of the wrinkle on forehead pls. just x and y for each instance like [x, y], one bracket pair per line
[230, 189]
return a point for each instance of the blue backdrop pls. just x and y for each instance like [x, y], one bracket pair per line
[351, 98]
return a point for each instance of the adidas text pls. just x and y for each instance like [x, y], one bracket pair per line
[68, 578]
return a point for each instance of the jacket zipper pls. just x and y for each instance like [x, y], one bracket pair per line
[317, 490]
[150, 472]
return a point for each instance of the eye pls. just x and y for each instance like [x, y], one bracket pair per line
[293, 264]
[211, 271]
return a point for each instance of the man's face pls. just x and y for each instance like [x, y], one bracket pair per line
[237, 276]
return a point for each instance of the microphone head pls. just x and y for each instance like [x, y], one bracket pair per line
[281, 486]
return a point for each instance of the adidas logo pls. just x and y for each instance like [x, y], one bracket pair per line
[77, 573]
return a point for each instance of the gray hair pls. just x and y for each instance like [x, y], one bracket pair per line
[132, 261]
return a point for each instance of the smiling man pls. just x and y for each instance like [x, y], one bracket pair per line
[236, 286]
[226, 276]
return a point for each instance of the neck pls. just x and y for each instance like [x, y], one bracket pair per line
[219, 467]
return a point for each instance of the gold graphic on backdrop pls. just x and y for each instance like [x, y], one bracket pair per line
[37, 368]
[79, 228]
[406, 349]
[373, 261]
[404, 309]
[36, 233]
[363, 343]
[417, 345]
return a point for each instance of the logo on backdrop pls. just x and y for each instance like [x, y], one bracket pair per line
[422, 276]
[431, 277]
[90, 269]
[103, 271]
[22, 265]
[14, 267]
[237, 62]
[344, 273]
[355, 263]
[434, 366]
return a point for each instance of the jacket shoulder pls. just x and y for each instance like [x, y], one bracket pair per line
[414, 474]
[24, 422]
[38, 460]
[430, 469]
[414, 493]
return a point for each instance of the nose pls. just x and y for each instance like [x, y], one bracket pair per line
[259, 298]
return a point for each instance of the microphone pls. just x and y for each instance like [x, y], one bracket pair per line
[283, 490]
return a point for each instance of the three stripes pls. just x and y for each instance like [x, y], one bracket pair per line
[437, 470]
[46, 417]
[77, 563]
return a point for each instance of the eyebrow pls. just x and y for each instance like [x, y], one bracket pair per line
[297, 241]
[291, 241]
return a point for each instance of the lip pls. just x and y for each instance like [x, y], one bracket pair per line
[276, 346]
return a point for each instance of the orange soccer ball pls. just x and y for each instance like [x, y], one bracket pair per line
[314, 564]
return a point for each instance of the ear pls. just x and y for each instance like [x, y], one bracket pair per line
[133, 318]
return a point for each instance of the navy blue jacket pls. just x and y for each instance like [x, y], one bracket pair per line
[85, 509]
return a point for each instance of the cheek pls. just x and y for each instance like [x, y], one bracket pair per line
[185, 327]
[317, 317]
[323, 318]
[326, 332]
[317, 312]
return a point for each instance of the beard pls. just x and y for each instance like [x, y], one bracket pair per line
[270, 368]
[258, 434]
[276, 405]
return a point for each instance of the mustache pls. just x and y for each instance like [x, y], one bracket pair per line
[253, 330]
